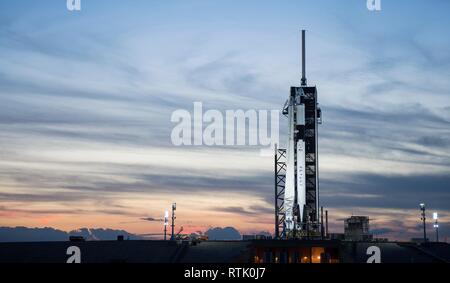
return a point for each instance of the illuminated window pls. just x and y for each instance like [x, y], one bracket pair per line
[316, 252]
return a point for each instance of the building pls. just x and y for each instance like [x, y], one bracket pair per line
[357, 229]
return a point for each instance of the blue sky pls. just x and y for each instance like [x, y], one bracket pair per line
[86, 99]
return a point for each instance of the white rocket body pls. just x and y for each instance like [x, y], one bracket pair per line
[289, 189]
[293, 196]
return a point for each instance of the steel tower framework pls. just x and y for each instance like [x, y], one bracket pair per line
[296, 168]
[280, 181]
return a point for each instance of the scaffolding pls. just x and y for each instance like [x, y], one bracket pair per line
[280, 180]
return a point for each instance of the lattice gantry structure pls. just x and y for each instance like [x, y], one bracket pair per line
[296, 167]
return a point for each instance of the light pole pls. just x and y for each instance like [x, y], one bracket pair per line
[422, 208]
[166, 223]
[436, 225]
[174, 207]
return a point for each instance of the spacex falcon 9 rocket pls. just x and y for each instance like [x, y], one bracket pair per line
[301, 186]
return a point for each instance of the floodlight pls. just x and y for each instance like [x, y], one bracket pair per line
[166, 218]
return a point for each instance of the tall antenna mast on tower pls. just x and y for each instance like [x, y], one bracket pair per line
[303, 58]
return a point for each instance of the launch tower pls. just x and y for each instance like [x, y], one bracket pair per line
[296, 167]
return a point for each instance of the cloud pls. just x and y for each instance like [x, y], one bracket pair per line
[434, 141]
[223, 234]
[24, 234]
[253, 210]
[370, 190]
[151, 219]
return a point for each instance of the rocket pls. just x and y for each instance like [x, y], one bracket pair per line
[295, 187]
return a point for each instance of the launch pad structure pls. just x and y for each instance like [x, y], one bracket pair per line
[296, 166]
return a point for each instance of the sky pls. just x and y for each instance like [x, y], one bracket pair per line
[86, 99]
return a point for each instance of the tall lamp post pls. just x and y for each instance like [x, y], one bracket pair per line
[422, 208]
[174, 207]
[436, 225]
[166, 223]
